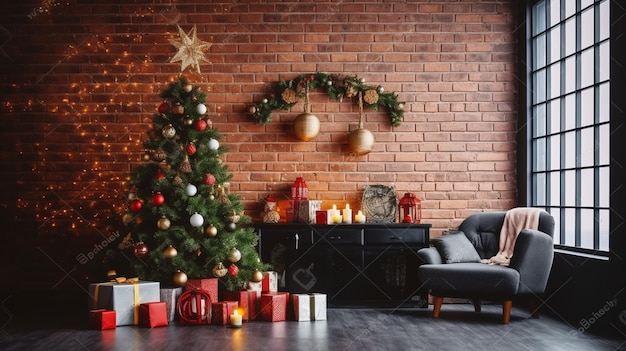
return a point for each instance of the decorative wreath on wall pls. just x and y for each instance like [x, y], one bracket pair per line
[287, 93]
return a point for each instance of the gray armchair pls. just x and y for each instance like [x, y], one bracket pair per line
[453, 267]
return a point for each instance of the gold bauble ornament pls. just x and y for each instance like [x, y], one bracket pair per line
[170, 252]
[211, 231]
[219, 270]
[257, 276]
[188, 121]
[360, 141]
[179, 279]
[234, 255]
[168, 131]
[306, 126]
[127, 218]
[163, 223]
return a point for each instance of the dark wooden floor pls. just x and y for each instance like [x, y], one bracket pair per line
[458, 328]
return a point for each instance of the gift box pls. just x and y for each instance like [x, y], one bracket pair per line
[242, 299]
[124, 298]
[309, 307]
[269, 282]
[170, 297]
[102, 319]
[221, 311]
[153, 314]
[306, 211]
[207, 284]
[254, 304]
[274, 306]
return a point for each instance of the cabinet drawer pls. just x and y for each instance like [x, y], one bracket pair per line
[341, 236]
[409, 236]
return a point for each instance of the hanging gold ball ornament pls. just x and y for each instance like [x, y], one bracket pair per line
[179, 279]
[170, 252]
[360, 141]
[164, 223]
[168, 131]
[219, 270]
[234, 255]
[127, 218]
[257, 276]
[211, 231]
[306, 126]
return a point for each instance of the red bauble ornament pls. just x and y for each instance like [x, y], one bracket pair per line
[163, 107]
[136, 205]
[160, 175]
[209, 179]
[158, 199]
[233, 270]
[191, 149]
[200, 125]
[140, 250]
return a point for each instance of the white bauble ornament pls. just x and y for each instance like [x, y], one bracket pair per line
[214, 144]
[196, 220]
[191, 190]
[201, 108]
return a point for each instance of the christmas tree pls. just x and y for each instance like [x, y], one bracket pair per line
[182, 221]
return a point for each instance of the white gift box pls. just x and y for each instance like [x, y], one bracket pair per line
[309, 307]
[124, 298]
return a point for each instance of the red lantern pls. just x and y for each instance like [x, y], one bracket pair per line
[158, 199]
[409, 209]
[194, 307]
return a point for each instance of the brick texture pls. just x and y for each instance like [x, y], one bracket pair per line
[80, 82]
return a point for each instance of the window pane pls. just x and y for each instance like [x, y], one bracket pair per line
[555, 80]
[604, 62]
[570, 186]
[540, 190]
[587, 226]
[570, 150]
[570, 37]
[570, 112]
[555, 44]
[604, 145]
[555, 189]
[539, 57]
[570, 74]
[539, 18]
[539, 125]
[605, 20]
[587, 29]
[555, 152]
[570, 8]
[587, 148]
[587, 68]
[586, 192]
[603, 189]
[569, 227]
[540, 86]
[604, 103]
[555, 12]
[555, 116]
[586, 107]
[540, 155]
[603, 221]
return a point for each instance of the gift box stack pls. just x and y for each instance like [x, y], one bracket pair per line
[120, 303]
[273, 304]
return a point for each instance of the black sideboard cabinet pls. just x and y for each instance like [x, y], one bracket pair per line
[354, 264]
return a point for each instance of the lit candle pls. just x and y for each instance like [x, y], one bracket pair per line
[235, 319]
[347, 214]
[336, 218]
[359, 217]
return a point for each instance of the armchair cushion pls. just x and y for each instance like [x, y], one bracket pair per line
[469, 278]
[455, 248]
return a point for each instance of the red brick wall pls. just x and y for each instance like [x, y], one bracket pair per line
[80, 82]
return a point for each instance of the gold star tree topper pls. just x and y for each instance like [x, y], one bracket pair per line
[190, 49]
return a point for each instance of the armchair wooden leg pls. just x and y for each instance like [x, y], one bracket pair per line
[506, 311]
[437, 306]
[477, 305]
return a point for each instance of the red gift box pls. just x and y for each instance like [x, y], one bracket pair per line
[102, 319]
[254, 304]
[221, 311]
[209, 285]
[274, 306]
[242, 299]
[270, 281]
[153, 314]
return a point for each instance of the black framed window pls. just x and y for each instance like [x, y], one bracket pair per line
[569, 107]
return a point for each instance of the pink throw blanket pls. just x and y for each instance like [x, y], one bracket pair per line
[515, 220]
